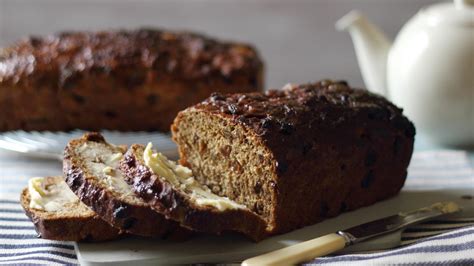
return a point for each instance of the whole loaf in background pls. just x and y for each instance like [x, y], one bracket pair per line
[119, 80]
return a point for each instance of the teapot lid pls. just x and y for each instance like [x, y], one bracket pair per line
[458, 12]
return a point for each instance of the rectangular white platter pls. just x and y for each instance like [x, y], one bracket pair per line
[234, 248]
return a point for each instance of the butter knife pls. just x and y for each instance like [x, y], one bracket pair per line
[333, 242]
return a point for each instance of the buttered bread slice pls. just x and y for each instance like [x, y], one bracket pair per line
[90, 169]
[58, 214]
[171, 189]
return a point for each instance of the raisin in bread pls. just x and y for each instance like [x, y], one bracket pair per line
[121, 80]
[58, 214]
[91, 171]
[299, 155]
[171, 189]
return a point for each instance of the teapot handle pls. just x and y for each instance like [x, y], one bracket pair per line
[460, 4]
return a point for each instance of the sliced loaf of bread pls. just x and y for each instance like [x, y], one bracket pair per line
[58, 214]
[298, 155]
[171, 189]
[90, 169]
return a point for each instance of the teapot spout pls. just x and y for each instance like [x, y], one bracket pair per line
[371, 47]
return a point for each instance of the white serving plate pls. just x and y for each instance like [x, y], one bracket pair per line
[233, 248]
[51, 144]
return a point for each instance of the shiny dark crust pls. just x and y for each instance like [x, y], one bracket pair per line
[176, 204]
[334, 148]
[124, 80]
[131, 218]
[84, 228]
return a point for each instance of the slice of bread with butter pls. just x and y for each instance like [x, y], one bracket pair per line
[90, 170]
[171, 189]
[58, 214]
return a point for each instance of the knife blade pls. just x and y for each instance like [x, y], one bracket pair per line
[327, 244]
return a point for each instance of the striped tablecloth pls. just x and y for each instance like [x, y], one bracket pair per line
[422, 245]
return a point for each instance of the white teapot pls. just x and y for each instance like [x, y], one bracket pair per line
[428, 70]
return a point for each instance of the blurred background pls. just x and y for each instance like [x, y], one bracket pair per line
[296, 38]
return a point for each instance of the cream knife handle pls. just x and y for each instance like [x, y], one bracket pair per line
[301, 252]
